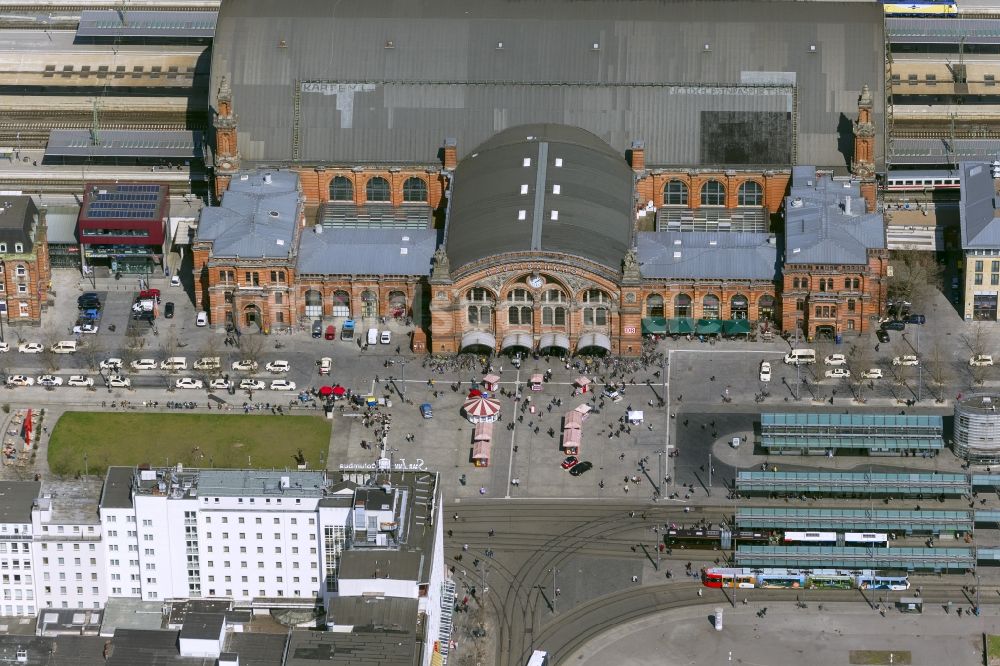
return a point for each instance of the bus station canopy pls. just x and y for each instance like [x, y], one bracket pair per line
[935, 559]
[862, 520]
[853, 483]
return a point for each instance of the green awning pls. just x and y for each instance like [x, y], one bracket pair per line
[736, 326]
[708, 327]
[654, 326]
[680, 325]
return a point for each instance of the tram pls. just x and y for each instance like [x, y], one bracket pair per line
[846, 579]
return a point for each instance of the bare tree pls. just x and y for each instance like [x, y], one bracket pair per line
[915, 276]
[91, 349]
[251, 346]
[859, 361]
[938, 370]
[211, 350]
[50, 360]
[134, 344]
[976, 341]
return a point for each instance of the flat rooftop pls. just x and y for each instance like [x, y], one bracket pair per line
[74, 501]
[16, 500]
[189, 483]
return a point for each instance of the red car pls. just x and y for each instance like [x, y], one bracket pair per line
[331, 333]
[570, 462]
[150, 293]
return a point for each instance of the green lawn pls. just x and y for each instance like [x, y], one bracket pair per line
[992, 649]
[196, 440]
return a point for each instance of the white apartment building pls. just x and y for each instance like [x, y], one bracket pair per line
[17, 576]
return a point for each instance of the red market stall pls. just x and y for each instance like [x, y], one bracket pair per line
[492, 383]
[582, 384]
[481, 409]
[571, 441]
[536, 382]
[583, 411]
[326, 391]
[481, 453]
[339, 391]
[573, 419]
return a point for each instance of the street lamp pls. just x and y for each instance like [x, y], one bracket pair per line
[553, 571]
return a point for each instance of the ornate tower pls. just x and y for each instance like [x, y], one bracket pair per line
[227, 155]
[863, 160]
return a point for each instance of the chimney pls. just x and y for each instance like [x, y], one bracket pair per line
[267, 179]
[450, 154]
[637, 156]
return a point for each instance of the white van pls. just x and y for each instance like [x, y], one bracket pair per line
[385, 338]
[64, 347]
[800, 357]
[208, 363]
[372, 336]
[174, 363]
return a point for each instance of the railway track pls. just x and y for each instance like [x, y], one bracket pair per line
[56, 8]
[944, 134]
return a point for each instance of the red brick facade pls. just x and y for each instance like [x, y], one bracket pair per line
[25, 278]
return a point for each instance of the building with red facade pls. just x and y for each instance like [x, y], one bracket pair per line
[25, 273]
[122, 227]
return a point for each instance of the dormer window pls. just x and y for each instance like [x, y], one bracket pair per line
[18, 247]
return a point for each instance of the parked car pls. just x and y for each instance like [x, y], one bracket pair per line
[894, 325]
[244, 366]
[252, 385]
[385, 337]
[85, 327]
[837, 373]
[282, 385]
[150, 293]
[981, 361]
[201, 319]
[20, 380]
[111, 364]
[189, 383]
[168, 310]
[4, 347]
[906, 360]
[317, 328]
[219, 384]
[882, 335]
[117, 381]
[331, 332]
[325, 365]
[144, 364]
[175, 280]
[835, 359]
[88, 300]
[570, 461]
[916, 319]
[278, 366]
[208, 363]
[31, 348]
[581, 468]
[765, 371]
[426, 410]
[80, 380]
[49, 380]
[872, 373]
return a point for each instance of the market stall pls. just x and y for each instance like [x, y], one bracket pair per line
[582, 384]
[481, 453]
[492, 383]
[535, 383]
[571, 441]
[481, 409]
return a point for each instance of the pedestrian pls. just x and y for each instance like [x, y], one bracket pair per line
[699, 591]
[482, 490]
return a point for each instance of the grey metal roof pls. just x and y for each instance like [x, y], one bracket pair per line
[943, 151]
[16, 500]
[254, 483]
[942, 30]
[367, 251]
[53, 651]
[499, 205]
[114, 23]
[177, 144]
[701, 254]
[978, 213]
[203, 626]
[386, 647]
[256, 218]
[117, 492]
[826, 222]
[387, 80]
[17, 216]
[389, 612]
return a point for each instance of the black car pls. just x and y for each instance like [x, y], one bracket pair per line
[168, 310]
[894, 326]
[581, 468]
[916, 319]
[88, 301]
[882, 336]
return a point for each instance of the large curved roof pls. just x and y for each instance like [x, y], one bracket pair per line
[387, 81]
[541, 188]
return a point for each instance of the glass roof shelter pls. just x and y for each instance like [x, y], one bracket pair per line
[862, 520]
[853, 434]
[853, 557]
[853, 484]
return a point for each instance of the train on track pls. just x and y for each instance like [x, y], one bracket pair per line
[808, 579]
[920, 8]
[721, 538]
[923, 180]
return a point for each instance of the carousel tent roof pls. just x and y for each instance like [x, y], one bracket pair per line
[481, 406]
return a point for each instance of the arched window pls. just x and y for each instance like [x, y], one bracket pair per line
[595, 316]
[314, 304]
[369, 304]
[682, 305]
[710, 307]
[377, 189]
[596, 296]
[414, 190]
[654, 305]
[713, 193]
[341, 304]
[847, 283]
[553, 316]
[851, 304]
[675, 193]
[750, 194]
[341, 189]
[553, 296]
[857, 284]
[822, 284]
[795, 283]
[480, 307]
[397, 304]
[519, 296]
[739, 307]
[518, 316]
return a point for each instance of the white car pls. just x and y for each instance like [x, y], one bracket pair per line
[207, 363]
[117, 381]
[175, 280]
[112, 364]
[189, 383]
[765, 371]
[244, 366]
[872, 373]
[282, 385]
[906, 360]
[80, 380]
[325, 364]
[835, 359]
[4, 347]
[85, 328]
[201, 319]
[219, 385]
[20, 380]
[252, 385]
[31, 348]
[49, 380]
[981, 361]
[144, 364]
[838, 373]
[278, 366]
